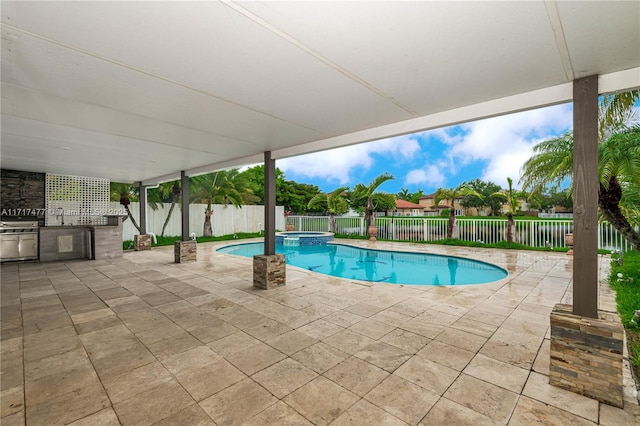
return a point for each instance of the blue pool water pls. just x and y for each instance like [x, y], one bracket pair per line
[380, 266]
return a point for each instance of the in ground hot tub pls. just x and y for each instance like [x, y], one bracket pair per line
[303, 238]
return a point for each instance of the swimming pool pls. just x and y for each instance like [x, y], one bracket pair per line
[392, 267]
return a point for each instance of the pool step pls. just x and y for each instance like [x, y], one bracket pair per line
[291, 241]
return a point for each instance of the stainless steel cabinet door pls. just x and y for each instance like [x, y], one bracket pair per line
[9, 246]
[28, 246]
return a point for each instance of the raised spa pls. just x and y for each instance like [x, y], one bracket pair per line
[303, 238]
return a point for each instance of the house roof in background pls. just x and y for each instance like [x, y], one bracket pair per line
[403, 204]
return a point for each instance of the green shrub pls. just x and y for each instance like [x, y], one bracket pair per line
[625, 280]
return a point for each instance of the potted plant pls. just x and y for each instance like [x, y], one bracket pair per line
[568, 239]
[367, 194]
[289, 225]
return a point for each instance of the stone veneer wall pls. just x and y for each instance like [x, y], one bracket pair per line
[269, 271]
[142, 242]
[185, 251]
[20, 191]
[586, 354]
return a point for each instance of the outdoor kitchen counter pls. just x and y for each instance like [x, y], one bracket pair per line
[80, 242]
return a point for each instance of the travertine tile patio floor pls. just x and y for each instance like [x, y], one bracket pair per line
[141, 340]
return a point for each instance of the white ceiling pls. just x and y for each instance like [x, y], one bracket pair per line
[137, 91]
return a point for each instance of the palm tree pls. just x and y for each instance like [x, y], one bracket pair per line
[335, 204]
[415, 197]
[170, 191]
[222, 187]
[619, 190]
[123, 192]
[372, 198]
[404, 194]
[451, 195]
[618, 165]
[512, 198]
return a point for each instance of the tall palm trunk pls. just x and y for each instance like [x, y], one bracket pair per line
[133, 221]
[609, 202]
[175, 193]
[166, 221]
[511, 229]
[332, 222]
[452, 222]
[207, 230]
[368, 215]
[125, 201]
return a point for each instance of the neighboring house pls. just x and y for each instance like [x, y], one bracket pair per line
[523, 205]
[427, 202]
[406, 208]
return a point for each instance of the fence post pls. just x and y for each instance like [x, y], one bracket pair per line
[531, 242]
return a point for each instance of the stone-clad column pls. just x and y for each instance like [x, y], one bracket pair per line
[586, 344]
[269, 269]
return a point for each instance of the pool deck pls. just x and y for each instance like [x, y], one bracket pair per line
[141, 340]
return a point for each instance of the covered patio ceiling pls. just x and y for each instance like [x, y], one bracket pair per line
[138, 91]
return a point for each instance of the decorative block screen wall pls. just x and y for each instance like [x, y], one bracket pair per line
[76, 200]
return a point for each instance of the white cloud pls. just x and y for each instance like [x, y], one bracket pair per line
[505, 142]
[429, 175]
[445, 135]
[336, 165]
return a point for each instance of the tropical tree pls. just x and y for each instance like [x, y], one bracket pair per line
[367, 197]
[451, 195]
[167, 192]
[619, 191]
[404, 194]
[295, 196]
[415, 196]
[334, 202]
[292, 195]
[123, 192]
[618, 165]
[222, 187]
[486, 189]
[512, 198]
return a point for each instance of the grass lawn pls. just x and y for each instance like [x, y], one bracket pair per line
[625, 280]
[516, 218]
[168, 241]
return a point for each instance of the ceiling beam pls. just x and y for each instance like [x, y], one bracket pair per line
[561, 41]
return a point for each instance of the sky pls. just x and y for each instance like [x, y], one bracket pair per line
[491, 150]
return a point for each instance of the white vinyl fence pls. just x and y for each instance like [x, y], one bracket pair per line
[225, 220]
[534, 233]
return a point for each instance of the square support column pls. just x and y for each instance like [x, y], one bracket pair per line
[585, 196]
[269, 204]
[586, 344]
[269, 269]
[184, 203]
[143, 209]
